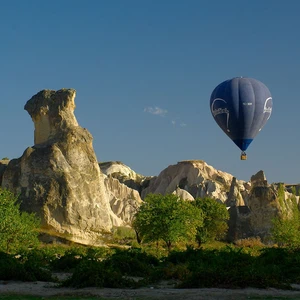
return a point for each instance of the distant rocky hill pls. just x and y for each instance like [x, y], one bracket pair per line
[80, 199]
[252, 205]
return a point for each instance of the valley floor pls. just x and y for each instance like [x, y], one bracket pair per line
[46, 289]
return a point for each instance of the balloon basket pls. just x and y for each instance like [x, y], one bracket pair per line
[243, 156]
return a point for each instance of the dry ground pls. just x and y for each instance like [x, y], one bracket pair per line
[47, 289]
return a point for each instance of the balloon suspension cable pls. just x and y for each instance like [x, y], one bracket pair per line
[243, 155]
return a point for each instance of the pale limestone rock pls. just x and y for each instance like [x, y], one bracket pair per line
[196, 177]
[125, 175]
[52, 112]
[59, 177]
[117, 167]
[124, 201]
[183, 194]
[235, 197]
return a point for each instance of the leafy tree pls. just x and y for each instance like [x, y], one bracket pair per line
[215, 217]
[167, 218]
[17, 229]
[286, 226]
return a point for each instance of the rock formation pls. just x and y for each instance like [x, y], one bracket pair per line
[235, 197]
[3, 166]
[259, 179]
[183, 194]
[252, 205]
[123, 200]
[196, 177]
[59, 177]
[124, 174]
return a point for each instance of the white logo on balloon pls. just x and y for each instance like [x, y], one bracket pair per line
[220, 110]
[267, 109]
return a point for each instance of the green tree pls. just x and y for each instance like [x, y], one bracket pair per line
[167, 218]
[215, 217]
[17, 229]
[286, 226]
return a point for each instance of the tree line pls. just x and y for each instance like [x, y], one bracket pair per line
[160, 218]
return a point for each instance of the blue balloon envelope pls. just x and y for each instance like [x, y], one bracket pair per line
[241, 107]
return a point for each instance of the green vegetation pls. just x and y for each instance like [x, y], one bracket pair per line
[169, 231]
[171, 219]
[17, 229]
[215, 217]
[286, 227]
[167, 218]
[228, 267]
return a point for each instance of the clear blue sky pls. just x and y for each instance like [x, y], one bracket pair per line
[144, 71]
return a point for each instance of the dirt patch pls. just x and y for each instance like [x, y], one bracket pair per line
[47, 289]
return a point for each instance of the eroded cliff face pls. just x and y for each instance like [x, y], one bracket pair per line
[125, 175]
[59, 177]
[123, 200]
[196, 177]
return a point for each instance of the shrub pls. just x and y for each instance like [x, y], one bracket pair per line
[94, 273]
[12, 268]
[250, 242]
[18, 230]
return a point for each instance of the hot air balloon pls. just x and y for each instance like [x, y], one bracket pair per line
[241, 107]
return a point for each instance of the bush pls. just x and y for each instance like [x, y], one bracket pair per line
[94, 273]
[18, 230]
[132, 262]
[250, 242]
[12, 268]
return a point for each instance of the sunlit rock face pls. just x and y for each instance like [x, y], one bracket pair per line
[125, 175]
[124, 201]
[183, 194]
[196, 177]
[59, 178]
